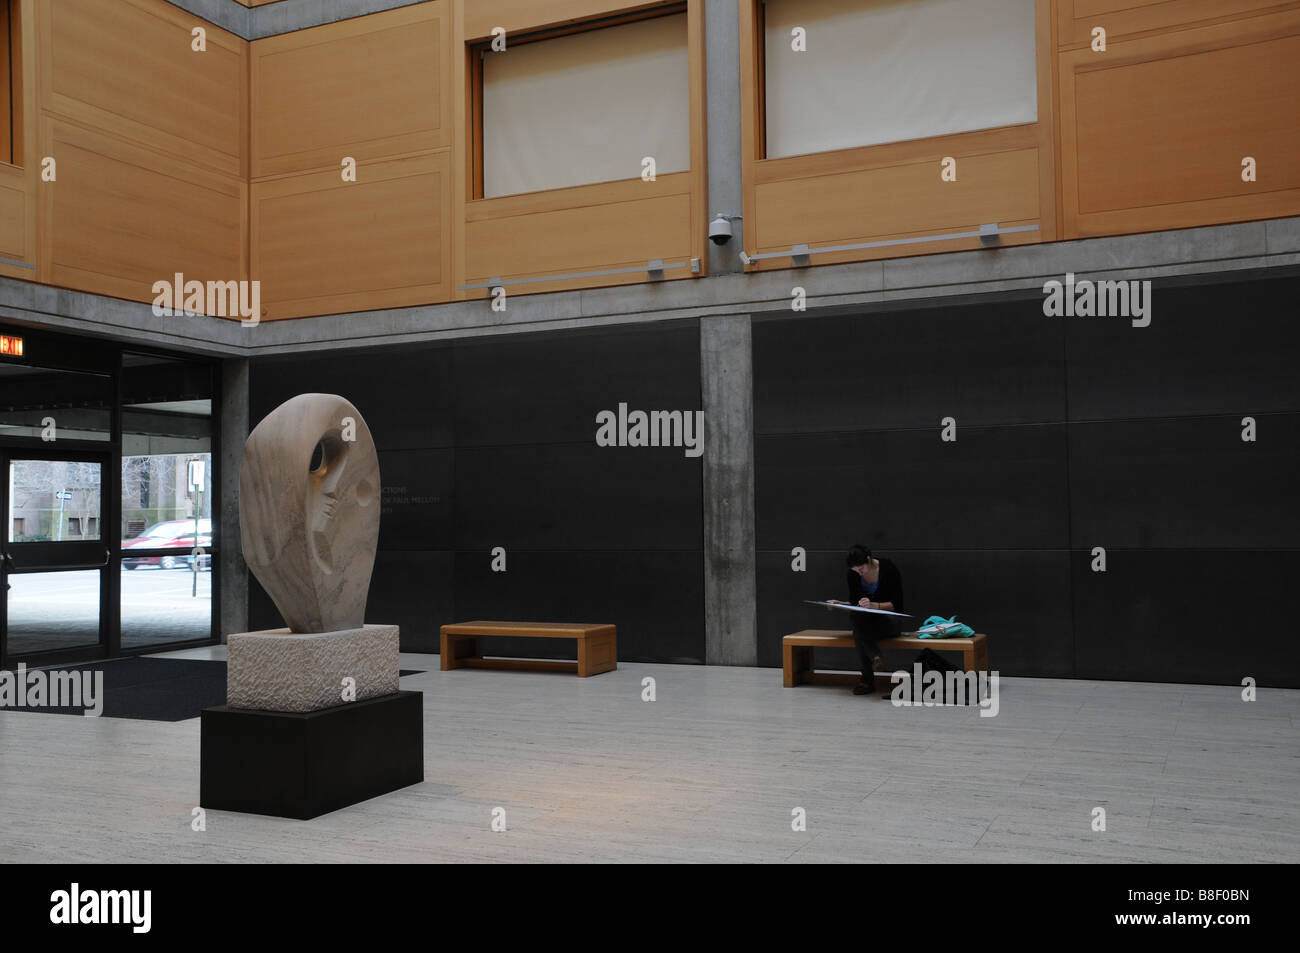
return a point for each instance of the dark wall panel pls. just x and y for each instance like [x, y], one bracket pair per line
[492, 443]
[1186, 483]
[1072, 433]
[1209, 349]
[1200, 616]
[655, 598]
[1001, 488]
[413, 590]
[986, 364]
[418, 500]
[405, 395]
[549, 390]
[577, 496]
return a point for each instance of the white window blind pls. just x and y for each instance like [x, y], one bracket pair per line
[891, 70]
[587, 107]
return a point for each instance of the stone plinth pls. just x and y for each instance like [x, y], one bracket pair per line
[279, 670]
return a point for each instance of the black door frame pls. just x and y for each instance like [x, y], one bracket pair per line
[86, 355]
[38, 558]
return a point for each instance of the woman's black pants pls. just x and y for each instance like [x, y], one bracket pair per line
[868, 629]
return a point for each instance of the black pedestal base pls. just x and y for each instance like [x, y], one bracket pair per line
[305, 765]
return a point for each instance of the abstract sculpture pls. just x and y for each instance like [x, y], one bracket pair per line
[315, 717]
[309, 535]
[309, 524]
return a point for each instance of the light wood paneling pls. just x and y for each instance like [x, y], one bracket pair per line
[884, 192]
[14, 222]
[898, 200]
[128, 69]
[321, 245]
[1154, 131]
[372, 88]
[121, 217]
[589, 228]
[648, 221]
[18, 182]
[482, 16]
[1125, 18]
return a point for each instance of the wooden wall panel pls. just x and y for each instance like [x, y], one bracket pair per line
[14, 221]
[593, 228]
[891, 191]
[18, 181]
[896, 201]
[322, 246]
[652, 221]
[1154, 131]
[127, 68]
[1125, 18]
[372, 88]
[121, 217]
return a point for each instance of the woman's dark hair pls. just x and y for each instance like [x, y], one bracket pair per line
[858, 555]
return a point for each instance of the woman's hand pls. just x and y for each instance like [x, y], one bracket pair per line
[865, 602]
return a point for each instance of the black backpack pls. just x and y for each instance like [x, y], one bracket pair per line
[932, 661]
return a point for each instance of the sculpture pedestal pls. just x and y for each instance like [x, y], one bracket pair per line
[303, 765]
[279, 670]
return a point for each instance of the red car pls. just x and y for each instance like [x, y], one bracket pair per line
[173, 534]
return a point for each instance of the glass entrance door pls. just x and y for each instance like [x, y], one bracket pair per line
[53, 556]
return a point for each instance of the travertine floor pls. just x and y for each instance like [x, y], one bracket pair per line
[710, 771]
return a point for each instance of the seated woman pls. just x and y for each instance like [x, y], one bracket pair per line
[874, 583]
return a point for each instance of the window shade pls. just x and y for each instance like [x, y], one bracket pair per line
[891, 70]
[587, 107]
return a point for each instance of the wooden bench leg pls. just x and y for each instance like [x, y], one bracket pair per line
[981, 662]
[597, 653]
[796, 661]
[453, 648]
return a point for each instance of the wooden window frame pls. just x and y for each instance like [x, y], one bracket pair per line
[759, 40]
[10, 84]
[757, 169]
[475, 52]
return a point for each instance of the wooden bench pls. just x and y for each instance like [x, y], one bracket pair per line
[462, 646]
[797, 654]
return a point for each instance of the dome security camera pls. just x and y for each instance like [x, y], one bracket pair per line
[720, 230]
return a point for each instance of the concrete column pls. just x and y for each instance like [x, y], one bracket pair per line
[730, 588]
[234, 431]
[722, 83]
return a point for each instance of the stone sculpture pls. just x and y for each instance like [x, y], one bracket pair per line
[309, 523]
[309, 535]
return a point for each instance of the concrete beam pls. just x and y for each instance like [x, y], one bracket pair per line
[730, 586]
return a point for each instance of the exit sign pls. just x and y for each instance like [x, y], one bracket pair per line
[11, 346]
